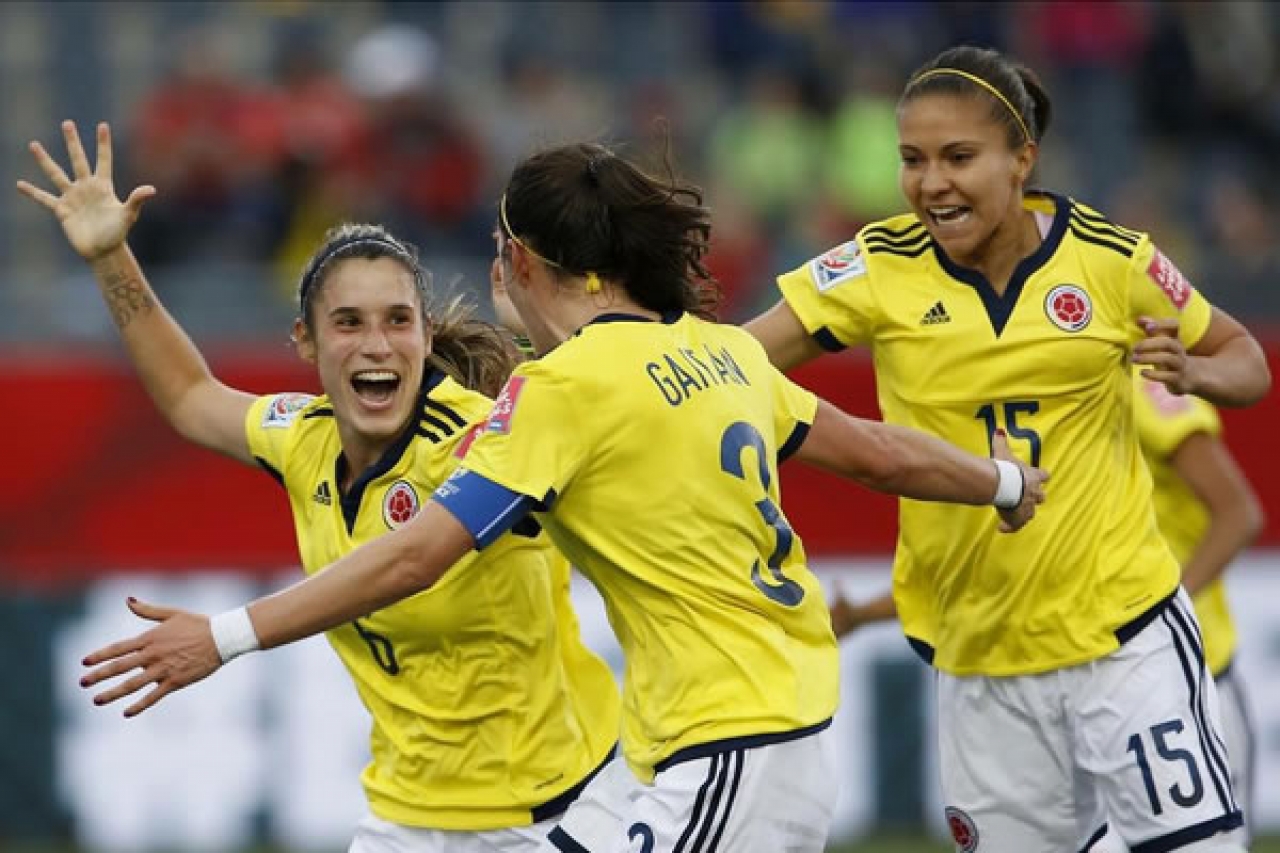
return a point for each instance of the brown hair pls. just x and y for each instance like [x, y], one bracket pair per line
[588, 210]
[476, 354]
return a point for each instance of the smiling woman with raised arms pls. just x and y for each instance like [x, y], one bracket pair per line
[488, 713]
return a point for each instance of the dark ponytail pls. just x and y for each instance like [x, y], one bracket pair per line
[587, 210]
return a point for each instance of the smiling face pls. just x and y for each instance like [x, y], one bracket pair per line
[959, 174]
[369, 341]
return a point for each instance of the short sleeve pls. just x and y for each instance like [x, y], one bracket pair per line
[524, 444]
[1165, 420]
[832, 296]
[794, 409]
[1157, 288]
[269, 425]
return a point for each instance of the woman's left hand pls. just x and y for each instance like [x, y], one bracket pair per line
[1165, 356]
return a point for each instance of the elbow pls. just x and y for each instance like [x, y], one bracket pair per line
[1254, 521]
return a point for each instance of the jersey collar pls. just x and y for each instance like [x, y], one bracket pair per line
[1000, 308]
[666, 319]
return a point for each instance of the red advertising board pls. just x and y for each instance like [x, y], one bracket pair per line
[95, 481]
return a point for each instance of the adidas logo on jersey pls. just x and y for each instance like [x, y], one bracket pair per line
[935, 315]
[321, 495]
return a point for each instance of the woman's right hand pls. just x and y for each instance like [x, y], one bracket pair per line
[94, 220]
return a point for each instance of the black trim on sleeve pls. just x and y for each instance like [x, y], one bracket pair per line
[270, 469]
[793, 442]
[827, 340]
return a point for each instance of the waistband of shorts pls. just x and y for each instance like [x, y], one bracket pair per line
[1133, 627]
[715, 747]
[560, 803]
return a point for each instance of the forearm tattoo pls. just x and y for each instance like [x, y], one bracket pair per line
[127, 297]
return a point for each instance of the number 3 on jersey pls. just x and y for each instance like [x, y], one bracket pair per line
[737, 438]
[988, 415]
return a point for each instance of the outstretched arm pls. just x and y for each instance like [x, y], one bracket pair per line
[187, 647]
[1235, 513]
[172, 370]
[910, 463]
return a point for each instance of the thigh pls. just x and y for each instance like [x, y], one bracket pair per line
[1149, 737]
[1005, 760]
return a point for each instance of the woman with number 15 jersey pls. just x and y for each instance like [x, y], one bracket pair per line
[488, 713]
[1072, 691]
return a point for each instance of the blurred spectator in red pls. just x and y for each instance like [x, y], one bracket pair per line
[422, 165]
[212, 145]
[325, 128]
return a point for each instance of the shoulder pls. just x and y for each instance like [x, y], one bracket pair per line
[1102, 235]
[903, 236]
[287, 411]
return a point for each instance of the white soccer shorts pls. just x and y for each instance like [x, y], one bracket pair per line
[1130, 746]
[375, 835]
[777, 798]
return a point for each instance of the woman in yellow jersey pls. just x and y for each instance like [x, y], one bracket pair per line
[1209, 514]
[647, 439]
[488, 713]
[1071, 685]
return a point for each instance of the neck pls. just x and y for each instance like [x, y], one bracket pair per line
[361, 454]
[1007, 247]
[570, 311]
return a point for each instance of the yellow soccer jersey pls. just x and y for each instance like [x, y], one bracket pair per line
[655, 447]
[1047, 362]
[1164, 421]
[485, 704]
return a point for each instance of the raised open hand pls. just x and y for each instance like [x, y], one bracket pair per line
[94, 220]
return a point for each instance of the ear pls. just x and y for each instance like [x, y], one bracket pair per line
[1026, 158]
[521, 266]
[303, 344]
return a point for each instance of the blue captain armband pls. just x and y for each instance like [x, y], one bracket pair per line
[485, 508]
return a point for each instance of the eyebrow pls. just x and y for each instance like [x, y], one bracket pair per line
[903, 146]
[351, 309]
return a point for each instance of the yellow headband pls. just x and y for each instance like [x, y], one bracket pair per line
[593, 279]
[973, 78]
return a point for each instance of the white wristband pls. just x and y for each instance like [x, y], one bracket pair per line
[1010, 487]
[233, 634]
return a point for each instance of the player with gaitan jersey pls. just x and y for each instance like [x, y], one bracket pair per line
[1208, 514]
[646, 439]
[1072, 690]
[488, 713]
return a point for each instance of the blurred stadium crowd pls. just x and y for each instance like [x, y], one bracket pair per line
[262, 123]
